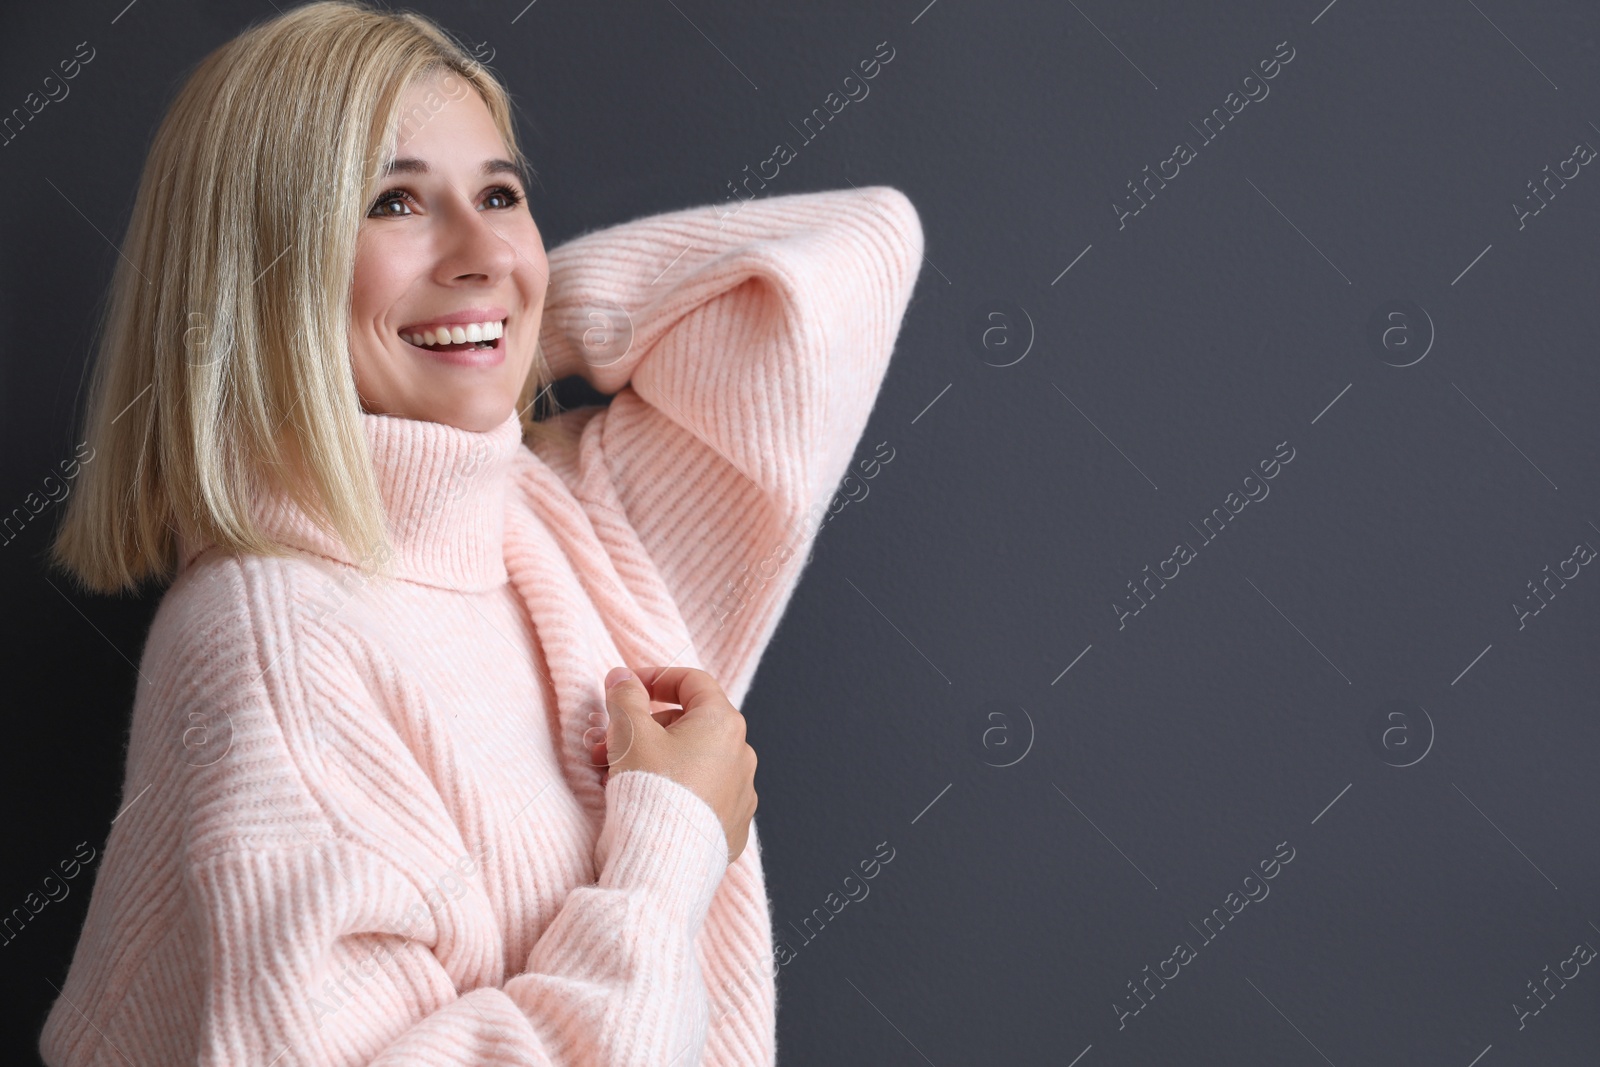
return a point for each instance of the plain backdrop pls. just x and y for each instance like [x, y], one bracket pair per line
[1349, 670]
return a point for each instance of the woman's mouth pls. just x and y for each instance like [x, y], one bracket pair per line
[458, 336]
[470, 343]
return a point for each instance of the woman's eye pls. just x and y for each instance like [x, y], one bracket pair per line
[396, 203]
[507, 196]
[384, 205]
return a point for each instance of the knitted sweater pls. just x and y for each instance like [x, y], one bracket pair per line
[359, 821]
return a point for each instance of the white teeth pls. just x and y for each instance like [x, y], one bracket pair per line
[462, 334]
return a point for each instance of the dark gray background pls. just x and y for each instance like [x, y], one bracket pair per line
[931, 636]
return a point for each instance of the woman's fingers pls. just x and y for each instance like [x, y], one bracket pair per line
[626, 704]
[690, 687]
[597, 749]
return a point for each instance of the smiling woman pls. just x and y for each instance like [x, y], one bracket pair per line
[327, 386]
[448, 227]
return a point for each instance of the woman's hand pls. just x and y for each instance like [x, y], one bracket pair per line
[699, 745]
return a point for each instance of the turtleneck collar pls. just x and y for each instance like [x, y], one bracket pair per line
[444, 491]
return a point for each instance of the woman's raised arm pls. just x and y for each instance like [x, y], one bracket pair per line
[746, 344]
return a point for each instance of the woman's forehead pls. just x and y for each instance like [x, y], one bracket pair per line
[433, 119]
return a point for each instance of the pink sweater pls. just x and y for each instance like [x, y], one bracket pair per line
[359, 824]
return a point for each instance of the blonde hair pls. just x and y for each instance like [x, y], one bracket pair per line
[222, 365]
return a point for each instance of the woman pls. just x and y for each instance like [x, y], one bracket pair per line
[375, 809]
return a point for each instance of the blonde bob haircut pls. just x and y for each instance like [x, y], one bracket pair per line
[222, 364]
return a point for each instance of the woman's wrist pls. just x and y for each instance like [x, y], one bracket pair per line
[661, 834]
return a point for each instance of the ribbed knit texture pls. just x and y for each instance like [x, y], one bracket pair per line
[359, 823]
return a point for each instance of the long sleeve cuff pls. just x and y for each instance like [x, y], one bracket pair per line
[662, 836]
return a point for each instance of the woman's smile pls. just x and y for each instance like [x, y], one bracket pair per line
[473, 337]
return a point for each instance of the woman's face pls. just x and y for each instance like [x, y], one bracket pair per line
[448, 244]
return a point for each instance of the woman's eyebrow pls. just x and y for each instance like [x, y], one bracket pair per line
[412, 165]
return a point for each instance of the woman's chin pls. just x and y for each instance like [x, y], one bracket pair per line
[478, 418]
[479, 414]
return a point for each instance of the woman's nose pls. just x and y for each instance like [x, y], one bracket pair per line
[473, 247]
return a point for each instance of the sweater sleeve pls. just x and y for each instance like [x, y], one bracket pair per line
[745, 348]
[330, 952]
[276, 903]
